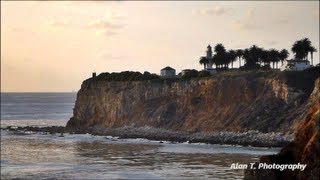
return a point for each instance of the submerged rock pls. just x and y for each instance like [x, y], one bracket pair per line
[252, 138]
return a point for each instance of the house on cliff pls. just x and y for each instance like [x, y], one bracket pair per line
[168, 72]
[296, 65]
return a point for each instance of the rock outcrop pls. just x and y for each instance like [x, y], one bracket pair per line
[235, 103]
[304, 149]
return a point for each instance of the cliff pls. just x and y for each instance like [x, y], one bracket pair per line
[262, 101]
[304, 149]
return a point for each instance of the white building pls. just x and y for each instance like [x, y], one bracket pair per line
[168, 72]
[208, 66]
[296, 65]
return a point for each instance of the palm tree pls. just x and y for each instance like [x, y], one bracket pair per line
[274, 56]
[301, 48]
[232, 56]
[265, 57]
[220, 58]
[219, 49]
[260, 56]
[254, 53]
[297, 50]
[204, 60]
[312, 50]
[239, 53]
[284, 54]
[246, 56]
[306, 44]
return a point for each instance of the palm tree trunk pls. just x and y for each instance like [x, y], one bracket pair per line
[239, 62]
[311, 58]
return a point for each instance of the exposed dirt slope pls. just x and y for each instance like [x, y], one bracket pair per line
[247, 101]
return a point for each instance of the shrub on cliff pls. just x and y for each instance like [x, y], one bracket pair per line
[149, 76]
[203, 73]
[127, 76]
[190, 73]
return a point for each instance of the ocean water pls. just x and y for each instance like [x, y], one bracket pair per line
[30, 155]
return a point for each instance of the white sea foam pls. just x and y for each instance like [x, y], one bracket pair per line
[32, 122]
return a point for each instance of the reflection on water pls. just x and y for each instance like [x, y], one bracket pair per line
[40, 156]
[38, 123]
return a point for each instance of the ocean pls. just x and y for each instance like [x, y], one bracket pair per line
[30, 155]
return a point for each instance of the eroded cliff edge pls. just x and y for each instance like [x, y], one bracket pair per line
[226, 102]
[304, 149]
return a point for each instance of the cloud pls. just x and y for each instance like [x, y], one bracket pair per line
[217, 10]
[105, 32]
[15, 29]
[250, 14]
[59, 23]
[247, 22]
[244, 24]
[271, 43]
[315, 13]
[98, 2]
[108, 56]
[282, 21]
[106, 26]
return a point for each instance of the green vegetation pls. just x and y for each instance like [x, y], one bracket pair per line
[256, 57]
[303, 80]
[137, 76]
[257, 62]
[127, 76]
[192, 73]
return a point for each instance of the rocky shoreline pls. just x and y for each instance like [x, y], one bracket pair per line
[249, 138]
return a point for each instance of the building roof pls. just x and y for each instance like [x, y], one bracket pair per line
[168, 68]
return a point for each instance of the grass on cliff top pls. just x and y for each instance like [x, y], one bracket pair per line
[137, 76]
[300, 79]
[126, 76]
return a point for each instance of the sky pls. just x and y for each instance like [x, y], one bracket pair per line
[52, 46]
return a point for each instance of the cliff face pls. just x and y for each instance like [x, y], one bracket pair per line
[230, 103]
[303, 149]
